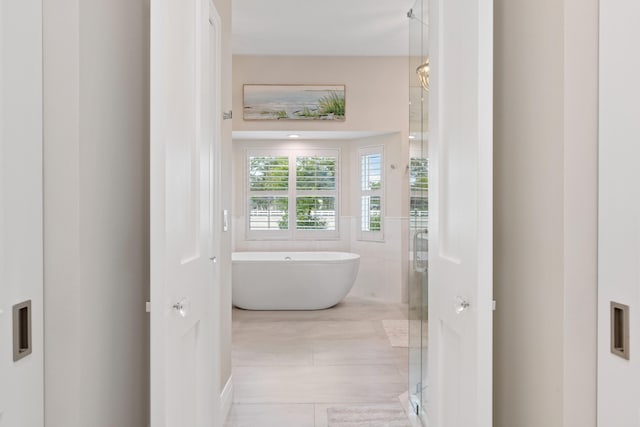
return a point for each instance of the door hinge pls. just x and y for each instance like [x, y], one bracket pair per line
[147, 306]
[227, 115]
[493, 305]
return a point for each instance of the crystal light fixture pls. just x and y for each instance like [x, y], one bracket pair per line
[423, 74]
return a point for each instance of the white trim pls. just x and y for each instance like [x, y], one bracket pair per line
[226, 399]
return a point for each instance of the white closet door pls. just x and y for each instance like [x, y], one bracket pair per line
[21, 262]
[459, 386]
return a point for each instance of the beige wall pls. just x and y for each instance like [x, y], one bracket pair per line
[545, 227]
[581, 211]
[96, 212]
[377, 89]
[224, 10]
[528, 254]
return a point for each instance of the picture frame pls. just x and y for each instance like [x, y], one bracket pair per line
[293, 102]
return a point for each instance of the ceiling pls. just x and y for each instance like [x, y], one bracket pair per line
[321, 27]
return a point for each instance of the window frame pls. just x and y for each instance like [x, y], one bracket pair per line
[293, 233]
[368, 235]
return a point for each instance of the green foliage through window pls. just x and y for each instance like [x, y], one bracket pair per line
[268, 173]
[315, 173]
[314, 192]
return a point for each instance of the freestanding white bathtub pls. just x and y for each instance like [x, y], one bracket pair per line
[292, 280]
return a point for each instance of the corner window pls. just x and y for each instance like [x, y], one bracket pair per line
[419, 192]
[371, 193]
[292, 195]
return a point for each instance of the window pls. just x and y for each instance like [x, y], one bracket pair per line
[268, 192]
[371, 193]
[296, 184]
[316, 192]
[419, 192]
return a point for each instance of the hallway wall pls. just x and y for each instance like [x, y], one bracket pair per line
[96, 212]
[545, 213]
[224, 306]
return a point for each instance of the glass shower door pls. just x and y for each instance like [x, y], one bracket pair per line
[418, 209]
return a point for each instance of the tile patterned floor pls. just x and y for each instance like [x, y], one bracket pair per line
[289, 367]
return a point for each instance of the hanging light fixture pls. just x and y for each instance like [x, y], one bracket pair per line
[423, 74]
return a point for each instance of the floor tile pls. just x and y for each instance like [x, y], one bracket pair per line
[289, 367]
[273, 353]
[359, 351]
[271, 416]
[317, 384]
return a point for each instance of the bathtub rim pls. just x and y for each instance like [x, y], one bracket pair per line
[350, 257]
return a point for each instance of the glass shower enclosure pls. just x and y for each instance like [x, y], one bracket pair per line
[419, 205]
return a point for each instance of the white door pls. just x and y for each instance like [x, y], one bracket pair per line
[185, 129]
[619, 216]
[460, 202]
[21, 268]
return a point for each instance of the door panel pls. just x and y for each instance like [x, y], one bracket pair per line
[185, 46]
[460, 230]
[21, 262]
[618, 215]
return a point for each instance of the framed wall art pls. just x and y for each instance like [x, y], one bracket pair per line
[293, 102]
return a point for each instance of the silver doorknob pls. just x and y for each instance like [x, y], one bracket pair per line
[182, 307]
[461, 305]
[214, 259]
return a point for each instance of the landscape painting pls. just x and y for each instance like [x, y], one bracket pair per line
[294, 102]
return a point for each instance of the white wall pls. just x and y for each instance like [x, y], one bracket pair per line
[619, 221]
[545, 216]
[96, 212]
[377, 90]
[383, 265]
[21, 382]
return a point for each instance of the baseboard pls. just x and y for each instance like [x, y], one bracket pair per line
[226, 398]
